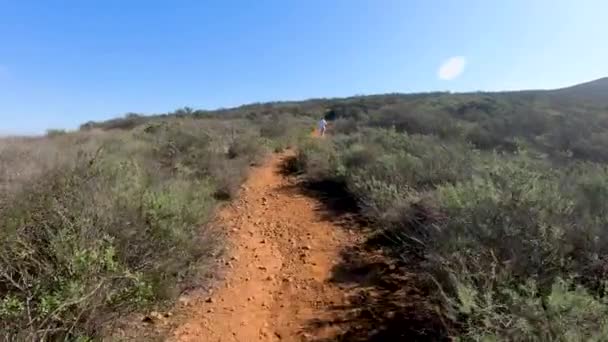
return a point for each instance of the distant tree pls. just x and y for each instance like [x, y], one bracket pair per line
[53, 132]
[182, 112]
[87, 125]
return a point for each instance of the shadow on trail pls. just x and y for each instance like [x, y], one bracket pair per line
[336, 205]
[388, 298]
[386, 301]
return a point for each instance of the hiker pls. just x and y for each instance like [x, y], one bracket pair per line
[322, 126]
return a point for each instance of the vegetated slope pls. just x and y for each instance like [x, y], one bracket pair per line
[278, 269]
[500, 197]
[97, 224]
[294, 271]
[568, 122]
[498, 202]
[594, 93]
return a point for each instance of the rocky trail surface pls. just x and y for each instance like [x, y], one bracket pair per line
[282, 249]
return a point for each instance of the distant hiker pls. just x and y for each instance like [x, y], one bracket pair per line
[322, 126]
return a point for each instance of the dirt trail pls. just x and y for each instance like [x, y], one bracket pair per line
[281, 256]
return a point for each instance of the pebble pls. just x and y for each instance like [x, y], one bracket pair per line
[184, 301]
[152, 317]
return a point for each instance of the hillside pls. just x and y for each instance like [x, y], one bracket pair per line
[586, 94]
[492, 205]
[564, 122]
[96, 225]
[420, 216]
[594, 93]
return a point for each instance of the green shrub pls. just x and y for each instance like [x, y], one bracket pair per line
[249, 148]
[344, 126]
[118, 225]
[283, 130]
[318, 159]
[516, 245]
[507, 237]
[519, 313]
[55, 132]
[381, 166]
[275, 126]
[83, 242]
[228, 177]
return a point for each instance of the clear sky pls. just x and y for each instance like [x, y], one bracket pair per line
[66, 62]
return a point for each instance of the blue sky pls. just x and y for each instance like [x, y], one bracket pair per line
[66, 62]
